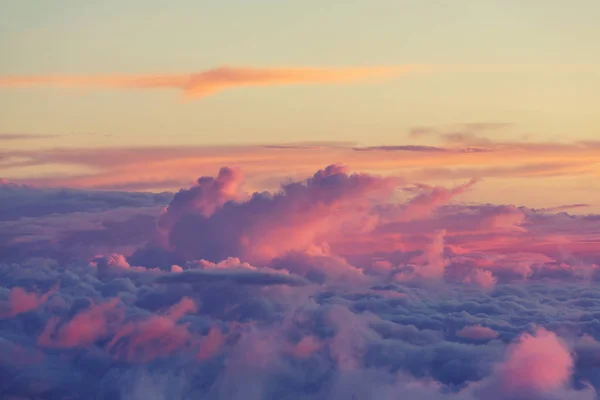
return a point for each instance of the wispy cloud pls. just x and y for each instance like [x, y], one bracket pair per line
[401, 148]
[565, 207]
[24, 136]
[460, 133]
[157, 168]
[209, 82]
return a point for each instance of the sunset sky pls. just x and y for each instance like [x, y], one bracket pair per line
[300, 199]
[377, 71]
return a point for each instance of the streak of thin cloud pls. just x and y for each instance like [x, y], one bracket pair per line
[24, 136]
[212, 81]
[154, 167]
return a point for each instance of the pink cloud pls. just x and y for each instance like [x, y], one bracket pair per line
[305, 347]
[204, 198]
[263, 226]
[482, 278]
[20, 301]
[477, 332]
[160, 168]
[157, 336]
[319, 227]
[349, 325]
[176, 268]
[435, 262]
[537, 364]
[431, 198]
[211, 344]
[84, 329]
[116, 264]
[506, 218]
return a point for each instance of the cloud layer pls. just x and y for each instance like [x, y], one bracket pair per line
[334, 286]
[510, 164]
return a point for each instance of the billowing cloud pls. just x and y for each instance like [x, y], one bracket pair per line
[205, 221]
[477, 332]
[83, 330]
[20, 301]
[212, 81]
[538, 366]
[340, 285]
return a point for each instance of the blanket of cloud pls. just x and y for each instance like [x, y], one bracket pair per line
[341, 286]
[68, 224]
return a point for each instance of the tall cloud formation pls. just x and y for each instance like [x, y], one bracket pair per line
[212, 81]
[332, 287]
[204, 222]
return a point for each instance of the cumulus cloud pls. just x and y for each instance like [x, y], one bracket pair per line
[341, 285]
[537, 366]
[477, 332]
[204, 222]
[83, 330]
[20, 301]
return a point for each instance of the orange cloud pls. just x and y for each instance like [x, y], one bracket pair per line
[172, 168]
[265, 167]
[477, 332]
[209, 82]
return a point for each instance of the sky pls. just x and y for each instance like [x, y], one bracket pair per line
[531, 67]
[530, 64]
[269, 200]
